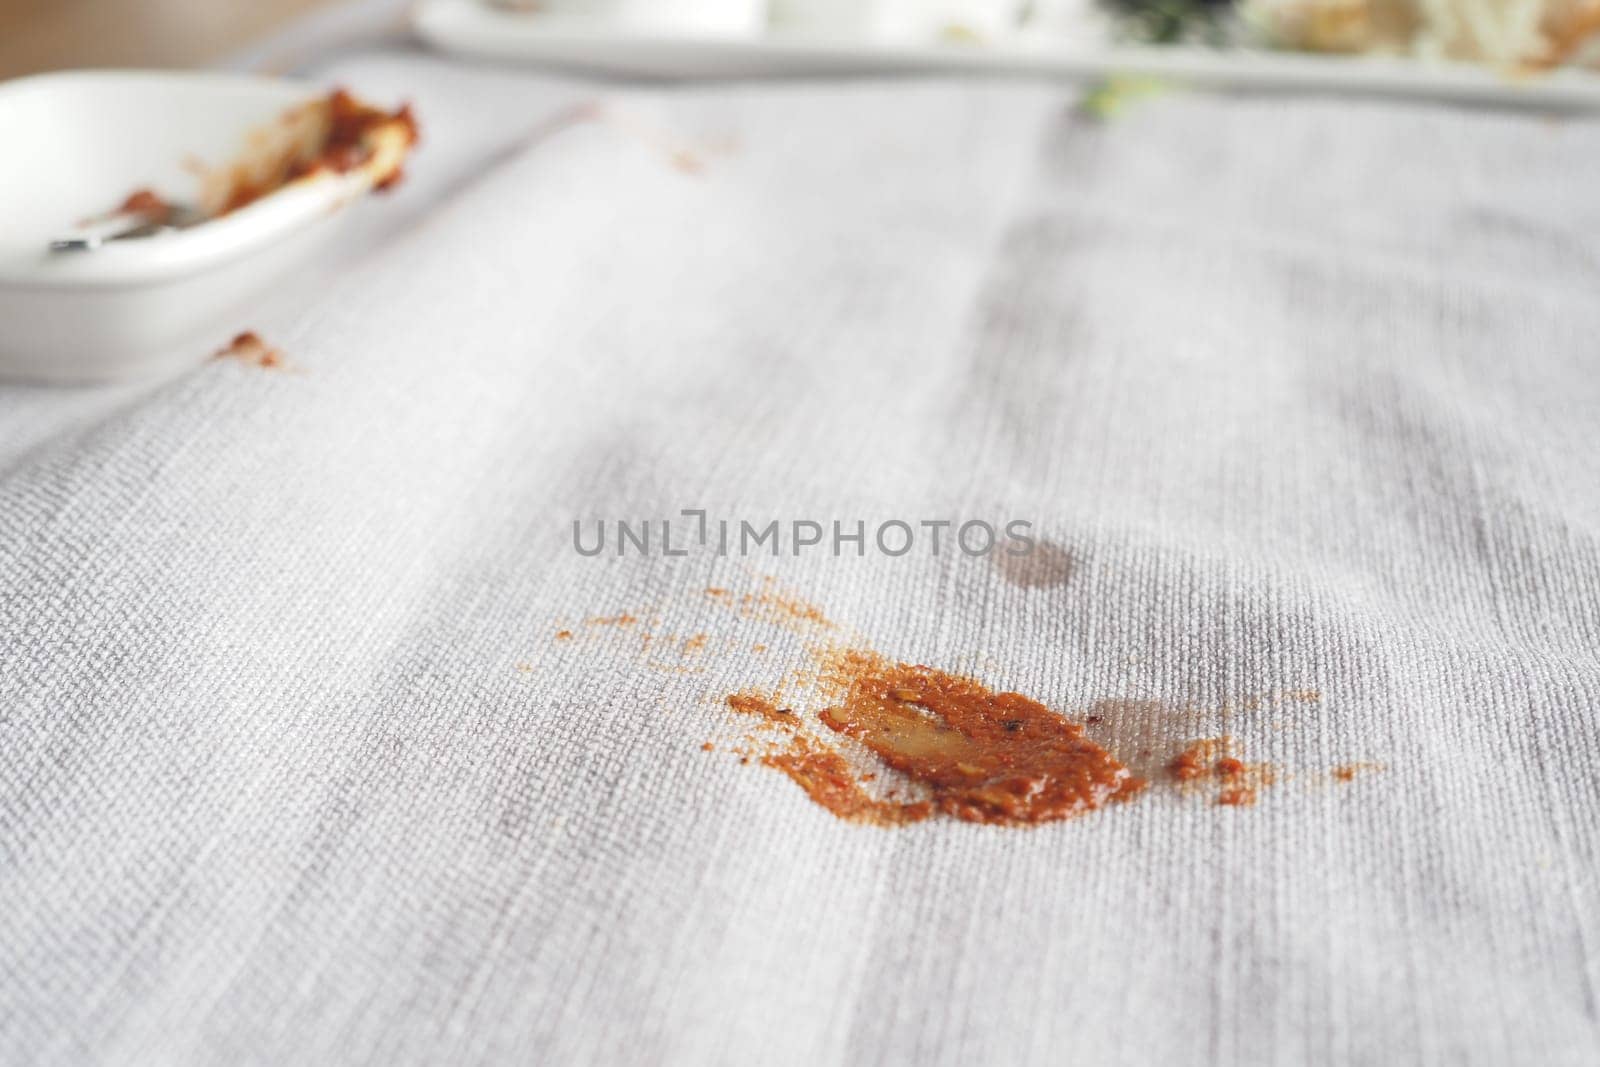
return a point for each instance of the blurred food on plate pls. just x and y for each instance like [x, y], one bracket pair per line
[1511, 34]
[1508, 33]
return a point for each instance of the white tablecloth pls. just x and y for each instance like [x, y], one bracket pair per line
[293, 768]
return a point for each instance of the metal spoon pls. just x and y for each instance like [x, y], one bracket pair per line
[128, 226]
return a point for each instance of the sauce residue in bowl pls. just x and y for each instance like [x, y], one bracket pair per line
[335, 134]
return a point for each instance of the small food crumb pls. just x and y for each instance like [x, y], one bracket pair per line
[341, 133]
[1186, 765]
[248, 347]
[1211, 762]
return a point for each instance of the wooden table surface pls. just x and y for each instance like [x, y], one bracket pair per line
[37, 35]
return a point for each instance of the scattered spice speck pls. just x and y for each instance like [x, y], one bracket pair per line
[1347, 772]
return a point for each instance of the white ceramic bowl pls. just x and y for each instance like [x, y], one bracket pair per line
[75, 145]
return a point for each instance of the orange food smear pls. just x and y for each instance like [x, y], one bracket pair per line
[975, 755]
[984, 756]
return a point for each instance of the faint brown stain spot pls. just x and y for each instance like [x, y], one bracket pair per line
[1048, 565]
[563, 635]
[250, 349]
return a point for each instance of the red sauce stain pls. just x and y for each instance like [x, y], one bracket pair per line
[894, 743]
[970, 753]
[829, 780]
[248, 347]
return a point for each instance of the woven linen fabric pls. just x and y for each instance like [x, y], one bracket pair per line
[1300, 396]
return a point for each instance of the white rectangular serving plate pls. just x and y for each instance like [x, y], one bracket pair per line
[480, 29]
